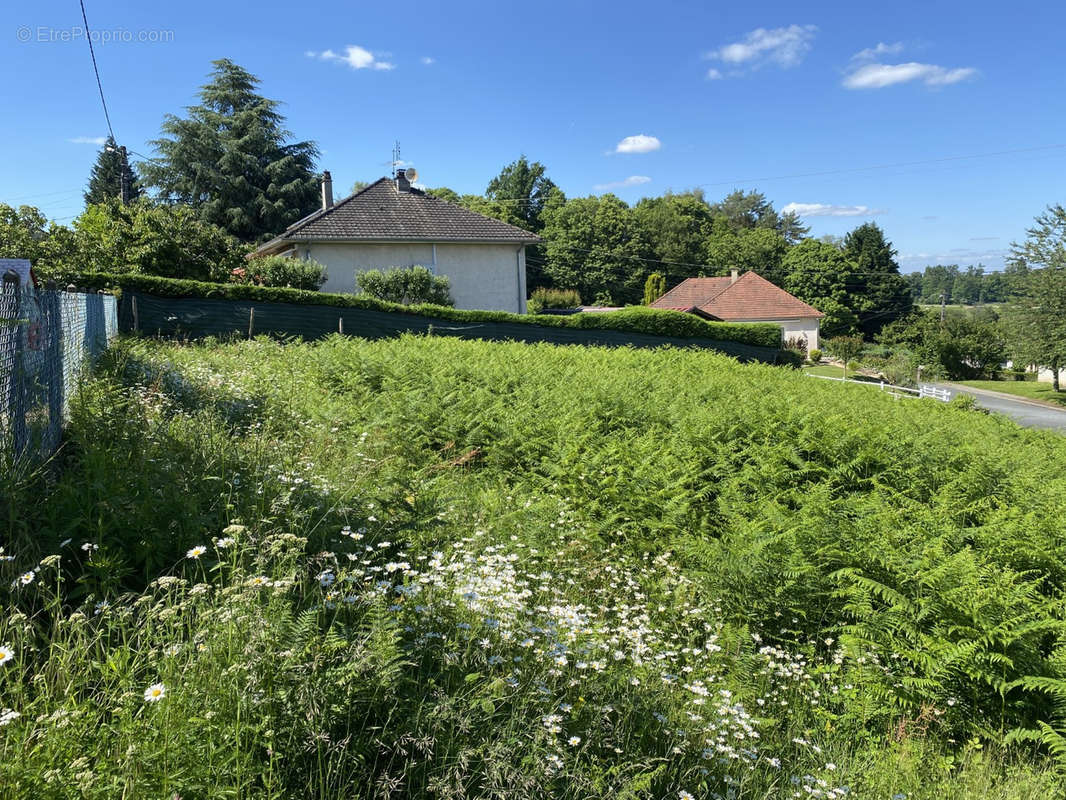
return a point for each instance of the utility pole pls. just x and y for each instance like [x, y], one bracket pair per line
[943, 300]
[124, 176]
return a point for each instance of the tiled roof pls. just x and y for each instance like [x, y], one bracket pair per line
[748, 299]
[691, 292]
[382, 213]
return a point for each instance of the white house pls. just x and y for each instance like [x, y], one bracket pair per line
[746, 298]
[391, 224]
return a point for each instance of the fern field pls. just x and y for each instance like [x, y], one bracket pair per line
[434, 568]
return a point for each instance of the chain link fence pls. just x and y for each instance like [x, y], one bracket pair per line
[46, 340]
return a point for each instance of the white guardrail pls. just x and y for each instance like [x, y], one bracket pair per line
[923, 390]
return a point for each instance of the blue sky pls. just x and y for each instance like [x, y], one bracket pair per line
[797, 100]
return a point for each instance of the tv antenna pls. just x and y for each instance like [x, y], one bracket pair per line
[395, 157]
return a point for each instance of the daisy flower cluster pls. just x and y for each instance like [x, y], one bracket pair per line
[580, 637]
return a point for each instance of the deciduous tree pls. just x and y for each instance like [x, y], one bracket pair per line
[1038, 318]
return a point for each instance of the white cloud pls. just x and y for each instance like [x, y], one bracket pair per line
[784, 47]
[354, 56]
[632, 180]
[428, 60]
[641, 143]
[97, 140]
[714, 74]
[827, 210]
[881, 49]
[878, 76]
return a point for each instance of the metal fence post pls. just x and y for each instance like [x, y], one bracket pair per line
[16, 389]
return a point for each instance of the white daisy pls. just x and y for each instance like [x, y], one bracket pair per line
[155, 693]
[196, 552]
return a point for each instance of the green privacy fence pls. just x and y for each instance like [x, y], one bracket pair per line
[198, 317]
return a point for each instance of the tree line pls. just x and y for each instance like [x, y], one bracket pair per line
[952, 284]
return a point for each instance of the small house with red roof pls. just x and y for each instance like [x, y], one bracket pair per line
[746, 298]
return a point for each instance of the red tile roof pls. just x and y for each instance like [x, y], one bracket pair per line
[691, 292]
[748, 299]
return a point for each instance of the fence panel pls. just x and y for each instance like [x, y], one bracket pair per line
[198, 317]
[46, 340]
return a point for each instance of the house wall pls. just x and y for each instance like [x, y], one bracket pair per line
[482, 276]
[1048, 376]
[792, 328]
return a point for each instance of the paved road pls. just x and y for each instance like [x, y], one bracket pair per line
[1030, 415]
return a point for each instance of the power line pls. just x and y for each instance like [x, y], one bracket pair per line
[92, 54]
[887, 166]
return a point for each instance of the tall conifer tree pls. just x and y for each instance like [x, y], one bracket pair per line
[231, 160]
[105, 180]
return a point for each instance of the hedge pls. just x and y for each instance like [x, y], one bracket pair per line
[638, 319]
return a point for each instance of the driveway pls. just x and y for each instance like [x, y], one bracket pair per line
[1025, 412]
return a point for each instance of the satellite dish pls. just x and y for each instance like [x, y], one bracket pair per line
[411, 173]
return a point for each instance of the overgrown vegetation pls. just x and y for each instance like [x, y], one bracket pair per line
[425, 567]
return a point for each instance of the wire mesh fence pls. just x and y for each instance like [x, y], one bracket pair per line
[46, 339]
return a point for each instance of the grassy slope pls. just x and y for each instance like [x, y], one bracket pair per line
[1033, 390]
[904, 557]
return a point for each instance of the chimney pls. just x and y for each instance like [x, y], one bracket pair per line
[402, 184]
[327, 191]
[733, 275]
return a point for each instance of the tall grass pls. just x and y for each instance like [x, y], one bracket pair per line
[428, 567]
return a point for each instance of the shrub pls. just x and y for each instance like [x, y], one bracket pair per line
[406, 285]
[165, 240]
[654, 288]
[815, 355]
[552, 298]
[281, 271]
[797, 343]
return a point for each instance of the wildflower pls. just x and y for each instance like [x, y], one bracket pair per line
[326, 579]
[26, 578]
[6, 654]
[155, 693]
[574, 741]
[683, 795]
[224, 542]
[7, 716]
[101, 607]
[196, 552]
[259, 581]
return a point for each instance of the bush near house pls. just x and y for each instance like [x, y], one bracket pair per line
[281, 271]
[407, 286]
[655, 322]
[552, 298]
